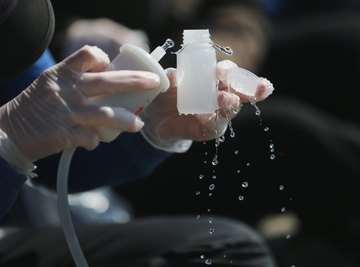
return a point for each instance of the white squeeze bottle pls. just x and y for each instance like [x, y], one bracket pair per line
[132, 57]
[196, 74]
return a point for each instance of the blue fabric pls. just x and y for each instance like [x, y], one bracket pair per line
[272, 7]
[12, 87]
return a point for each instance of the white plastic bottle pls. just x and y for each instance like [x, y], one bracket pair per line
[132, 57]
[196, 76]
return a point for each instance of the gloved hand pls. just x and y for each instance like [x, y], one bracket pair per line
[166, 129]
[56, 111]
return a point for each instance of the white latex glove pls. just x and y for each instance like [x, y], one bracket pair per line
[167, 130]
[56, 110]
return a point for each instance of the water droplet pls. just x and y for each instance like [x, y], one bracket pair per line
[217, 142]
[271, 145]
[204, 143]
[248, 164]
[215, 160]
[232, 132]
[201, 176]
[210, 194]
[281, 187]
[211, 219]
[224, 256]
[202, 257]
[288, 236]
[205, 153]
[211, 231]
[257, 112]
[238, 171]
[208, 210]
[231, 261]
[205, 162]
[272, 156]
[266, 129]
[241, 198]
[245, 184]
[283, 209]
[222, 138]
[211, 187]
[236, 152]
[198, 217]
[214, 177]
[208, 262]
[197, 193]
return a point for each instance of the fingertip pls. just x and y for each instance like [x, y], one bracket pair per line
[126, 120]
[223, 68]
[226, 64]
[88, 58]
[264, 89]
[93, 143]
[171, 74]
[228, 101]
[139, 124]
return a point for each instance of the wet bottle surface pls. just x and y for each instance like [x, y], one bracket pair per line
[196, 77]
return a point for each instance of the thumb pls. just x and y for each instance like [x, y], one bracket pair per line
[88, 58]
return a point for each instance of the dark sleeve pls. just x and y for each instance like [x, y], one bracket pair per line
[10, 184]
[127, 158]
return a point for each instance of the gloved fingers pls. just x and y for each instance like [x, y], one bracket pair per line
[82, 137]
[115, 118]
[263, 90]
[212, 126]
[171, 74]
[114, 82]
[88, 58]
[222, 71]
[229, 105]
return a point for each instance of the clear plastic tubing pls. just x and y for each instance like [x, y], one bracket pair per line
[64, 209]
[196, 74]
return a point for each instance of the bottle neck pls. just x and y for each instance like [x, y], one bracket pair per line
[196, 37]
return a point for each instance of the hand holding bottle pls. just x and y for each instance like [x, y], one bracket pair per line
[169, 130]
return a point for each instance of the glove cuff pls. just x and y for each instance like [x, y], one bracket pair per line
[12, 155]
[173, 146]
